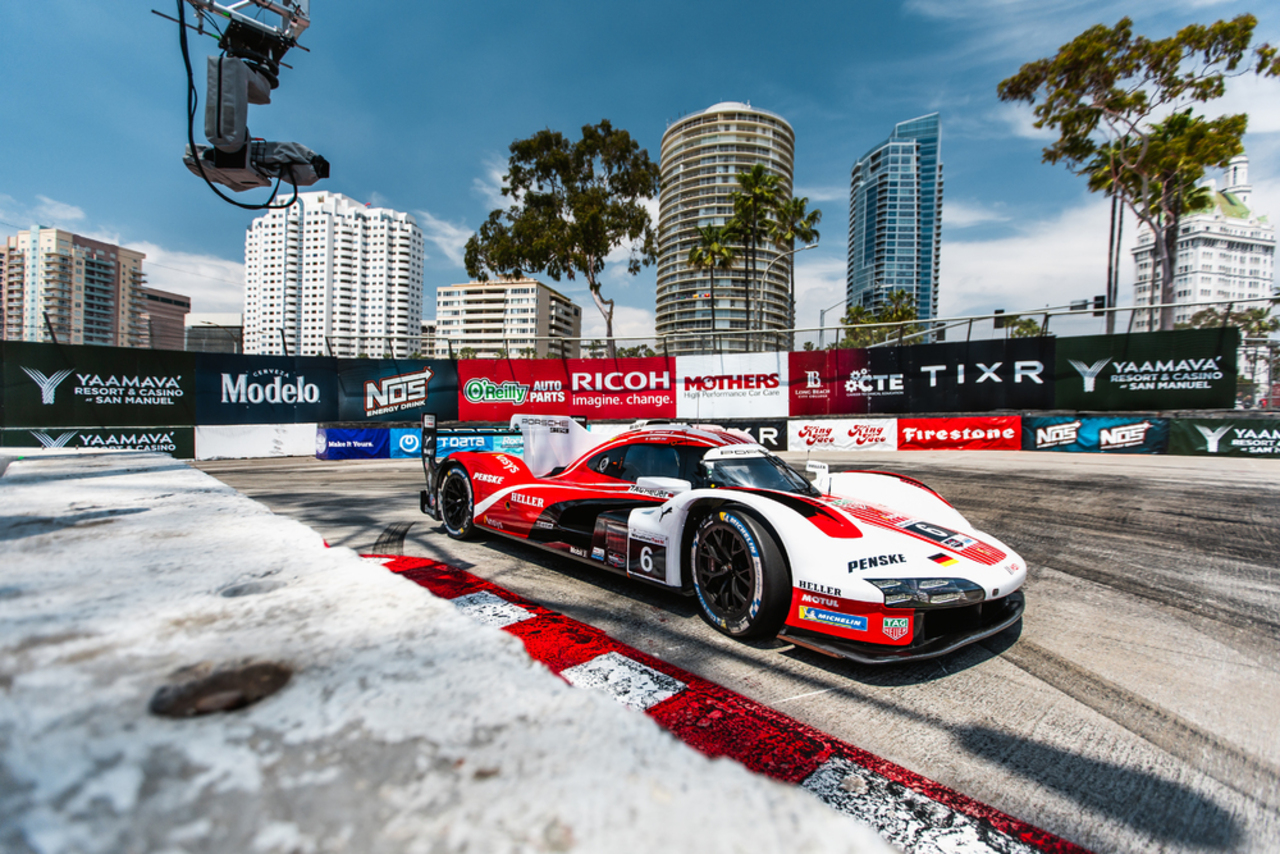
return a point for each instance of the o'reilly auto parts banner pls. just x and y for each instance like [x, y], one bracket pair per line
[237, 389]
[1244, 437]
[178, 442]
[495, 390]
[1187, 369]
[1091, 434]
[740, 385]
[984, 433]
[397, 389]
[843, 434]
[50, 385]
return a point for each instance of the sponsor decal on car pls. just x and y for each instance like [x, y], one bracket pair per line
[652, 493]
[895, 628]
[876, 560]
[597, 553]
[853, 622]
[820, 600]
[959, 542]
[527, 500]
[577, 550]
[543, 525]
[944, 559]
[648, 537]
[507, 464]
[492, 522]
[484, 477]
[818, 588]
[742, 529]
[933, 532]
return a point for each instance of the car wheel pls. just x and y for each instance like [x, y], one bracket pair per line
[457, 504]
[739, 575]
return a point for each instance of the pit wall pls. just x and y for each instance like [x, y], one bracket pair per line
[207, 405]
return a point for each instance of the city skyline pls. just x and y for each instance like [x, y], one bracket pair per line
[418, 116]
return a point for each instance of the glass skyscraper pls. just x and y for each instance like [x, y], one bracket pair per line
[895, 218]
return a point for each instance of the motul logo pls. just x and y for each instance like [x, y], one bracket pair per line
[619, 381]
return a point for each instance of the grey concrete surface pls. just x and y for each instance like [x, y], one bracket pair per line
[1133, 710]
[404, 726]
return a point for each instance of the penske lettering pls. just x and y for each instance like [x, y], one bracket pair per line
[488, 478]
[875, 561]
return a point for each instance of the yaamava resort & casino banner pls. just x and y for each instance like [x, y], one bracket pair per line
[1237, 437]
[1185, 369]
[596, 389]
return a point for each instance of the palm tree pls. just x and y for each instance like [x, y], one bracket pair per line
[899, 306]
[714, 249]
[791, 222]
[855, 336]
[753, 201]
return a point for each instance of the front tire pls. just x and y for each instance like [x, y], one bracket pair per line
[457, 504]
[739, 574]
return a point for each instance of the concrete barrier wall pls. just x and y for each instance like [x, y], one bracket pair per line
[241, 441]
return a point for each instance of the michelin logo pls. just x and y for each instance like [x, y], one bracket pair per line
[48, 385]
[845, 621]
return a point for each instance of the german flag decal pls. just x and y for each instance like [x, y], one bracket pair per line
[943, 559]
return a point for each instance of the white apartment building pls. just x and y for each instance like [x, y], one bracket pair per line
[515, 318]
[1226, 252]
[328, 275]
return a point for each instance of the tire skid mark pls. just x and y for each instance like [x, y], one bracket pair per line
[391, 540]
[1226, 763]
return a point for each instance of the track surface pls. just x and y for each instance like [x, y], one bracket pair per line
[1135, 710]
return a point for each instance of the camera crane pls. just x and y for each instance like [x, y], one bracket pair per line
[244, 73]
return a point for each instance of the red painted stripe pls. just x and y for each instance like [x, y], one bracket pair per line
[711, 718]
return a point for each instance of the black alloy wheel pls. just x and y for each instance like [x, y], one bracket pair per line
[457, 504]
[739, 575]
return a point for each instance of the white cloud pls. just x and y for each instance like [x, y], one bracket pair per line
[47, 212]
[819, 284]
[214, 284]
[489, 186]
[450, 239]
[628, 322]
[961, 214]
[52, 211]
[834, 193]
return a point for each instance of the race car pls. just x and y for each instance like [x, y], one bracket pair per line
[870, 566]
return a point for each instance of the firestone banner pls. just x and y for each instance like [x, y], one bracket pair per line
[843, 434]
[740, 385]
[1092, 434]
[1187, 369]
[628, 388]
[50, 385]
[1244, 437]
[990, 433]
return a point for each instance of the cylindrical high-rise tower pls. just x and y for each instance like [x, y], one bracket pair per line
[702, 156]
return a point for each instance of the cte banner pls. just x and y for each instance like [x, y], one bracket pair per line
[629, 388]
[1092, 434]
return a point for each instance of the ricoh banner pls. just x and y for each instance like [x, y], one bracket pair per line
[1243, 437]
[397, 389]
[609, 389]
[47, 385]
[176, 441]
[1091, 434]
[237, 389]
[1187, 369]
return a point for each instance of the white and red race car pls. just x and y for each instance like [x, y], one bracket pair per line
[870, 566]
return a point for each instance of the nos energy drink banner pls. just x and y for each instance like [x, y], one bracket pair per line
[397, 389]
[51, 385]
[236, 389]
[1108, 435]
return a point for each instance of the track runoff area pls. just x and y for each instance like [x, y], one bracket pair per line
[910, 811]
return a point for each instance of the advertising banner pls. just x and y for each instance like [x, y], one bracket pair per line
[845, 382]
[983, 433]
[631, 388]
[408, 443]
[736, 385]
[843, 434]
[1186, 369]
[771, 433]
[1091, 434]
[1245, 437]
[252, 441]
[397, 389]
[239, 389]
[51, 385]
[340, 443]
[178, 442]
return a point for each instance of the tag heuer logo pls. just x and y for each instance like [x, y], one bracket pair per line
[896, 627]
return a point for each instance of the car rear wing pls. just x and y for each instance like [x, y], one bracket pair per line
[448, 439]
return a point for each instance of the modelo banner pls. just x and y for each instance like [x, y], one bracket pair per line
[1186, 369]
[741, 385]
[1092, 434]
[983, 433]
[397, 389]
[843, 434]
[1245, 437]
[54, 385]
[238, 389]
[976, 376]
[495, 390]
[178, 442]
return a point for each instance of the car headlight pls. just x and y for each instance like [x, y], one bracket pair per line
[928, 592]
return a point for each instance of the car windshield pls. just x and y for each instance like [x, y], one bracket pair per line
[763, 472]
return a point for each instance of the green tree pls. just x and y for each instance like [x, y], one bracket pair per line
[1102, 91]
[595, 349]
[714, 249]
[753, 204]
[1253, 322]
[572, 204]
[1025, 327]
[792, 221]
[856, 333]
[528, 352]
[638, 350]
[467, 353]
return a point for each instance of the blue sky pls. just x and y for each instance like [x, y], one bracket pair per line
[414, 104]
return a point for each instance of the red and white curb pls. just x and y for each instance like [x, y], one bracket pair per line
[910, 811]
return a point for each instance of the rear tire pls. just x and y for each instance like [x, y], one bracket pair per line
[739, 574]
[457, 504]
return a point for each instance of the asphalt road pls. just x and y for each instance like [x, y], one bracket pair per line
[1137, 707]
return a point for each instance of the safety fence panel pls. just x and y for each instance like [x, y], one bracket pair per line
[1237, 437]
[1130, 434]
